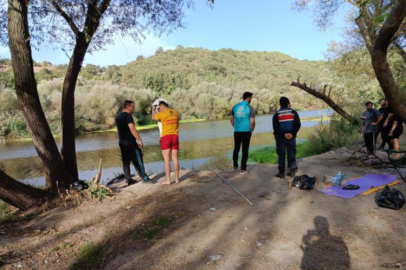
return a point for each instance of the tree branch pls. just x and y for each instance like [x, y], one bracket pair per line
[327, 100]
[400, 50]
[364, 33]
[68, 19]
[380, 61]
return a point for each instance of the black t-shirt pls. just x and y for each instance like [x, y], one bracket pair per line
[384, 112]
[124, 132]
[399, 126]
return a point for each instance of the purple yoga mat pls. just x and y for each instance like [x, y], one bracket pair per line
[365, 183]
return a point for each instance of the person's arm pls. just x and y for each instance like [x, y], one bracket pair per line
[380, 116]
[296, 124]
[252, 120]
[275, 124]
[154, 113]
[395, 124]
[390, 116]
[232, 117]
[134, 132]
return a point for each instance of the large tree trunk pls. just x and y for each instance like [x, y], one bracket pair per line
[19, 195]
[380, 62]
[27, 94]
[68, 106]
[377, 45]
[327, 100]
[83, 40]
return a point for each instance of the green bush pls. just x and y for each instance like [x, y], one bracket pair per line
[337, 134]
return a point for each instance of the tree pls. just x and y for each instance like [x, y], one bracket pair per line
[90, 22]
[19, 195]
[84, 26]
[27, 94]
[381, 26]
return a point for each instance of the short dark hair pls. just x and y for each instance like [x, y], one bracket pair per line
[246, 95]
[368, 102]
[127, 103]
[284, 101]
[163, 103]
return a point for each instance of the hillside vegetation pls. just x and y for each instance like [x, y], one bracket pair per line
[199, 82]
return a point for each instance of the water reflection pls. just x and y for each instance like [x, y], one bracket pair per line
[201, 142]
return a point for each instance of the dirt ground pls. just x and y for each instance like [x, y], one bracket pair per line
[202, 223]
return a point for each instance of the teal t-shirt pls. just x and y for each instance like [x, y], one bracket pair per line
[242, 113]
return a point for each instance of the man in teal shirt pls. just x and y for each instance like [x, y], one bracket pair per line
[243, 120]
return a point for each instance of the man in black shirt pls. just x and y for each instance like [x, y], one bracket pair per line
[286, 125]
[384, 131]
[130, 149]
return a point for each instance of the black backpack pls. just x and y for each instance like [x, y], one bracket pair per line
[304, 182]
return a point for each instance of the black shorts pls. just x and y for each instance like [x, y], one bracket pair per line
[397, 132]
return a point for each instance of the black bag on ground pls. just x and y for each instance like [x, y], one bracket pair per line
[304, 182]
[80, 185]
[390, 198]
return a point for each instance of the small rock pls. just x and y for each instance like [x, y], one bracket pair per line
[259, 244]
[216, 257]
[46, 261]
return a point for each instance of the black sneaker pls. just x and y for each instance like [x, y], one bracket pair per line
[292, 172]
[131, 182]
[280, 175]
[148, 180]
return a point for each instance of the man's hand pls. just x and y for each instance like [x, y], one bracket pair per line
[288, 136]
[385, 124]
[391, 133]
[374, 123]
[140, 144]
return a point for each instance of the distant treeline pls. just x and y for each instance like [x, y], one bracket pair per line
[198, 82]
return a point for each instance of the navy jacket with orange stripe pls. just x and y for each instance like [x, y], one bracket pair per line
[286, 120]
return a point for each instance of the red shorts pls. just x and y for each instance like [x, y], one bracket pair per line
[170, 142]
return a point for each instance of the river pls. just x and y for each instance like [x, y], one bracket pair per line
[201, 143]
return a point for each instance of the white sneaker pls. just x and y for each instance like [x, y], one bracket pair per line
[243, 172]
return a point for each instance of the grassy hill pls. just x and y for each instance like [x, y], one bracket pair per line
[199, 82]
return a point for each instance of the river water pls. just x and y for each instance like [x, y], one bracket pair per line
[201, 143]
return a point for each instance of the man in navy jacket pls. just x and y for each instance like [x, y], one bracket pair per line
[286, 125]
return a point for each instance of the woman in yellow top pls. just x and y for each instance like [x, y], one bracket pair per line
[169, 119]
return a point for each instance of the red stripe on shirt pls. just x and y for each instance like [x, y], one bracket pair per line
[285, 117]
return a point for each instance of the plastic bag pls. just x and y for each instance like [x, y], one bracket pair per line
[390, 198]
[304, 182]
[80, 185]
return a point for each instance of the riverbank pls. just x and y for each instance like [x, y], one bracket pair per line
[202, 223]
[323, 118]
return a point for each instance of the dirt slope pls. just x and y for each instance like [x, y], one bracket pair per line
[202, 223]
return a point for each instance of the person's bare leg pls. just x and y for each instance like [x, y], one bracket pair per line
[175, 164]
[166, 155]
[396, 147]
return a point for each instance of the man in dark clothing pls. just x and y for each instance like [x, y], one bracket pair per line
[286, 125]
[371, 119]
[130, 149]
[384, 131]
[243, 120]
